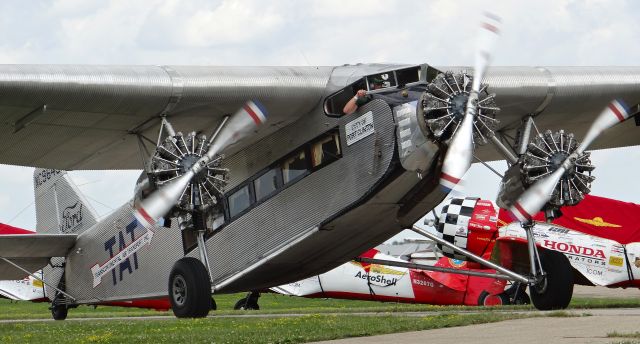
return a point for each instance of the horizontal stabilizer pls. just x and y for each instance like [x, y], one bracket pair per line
[31, 252]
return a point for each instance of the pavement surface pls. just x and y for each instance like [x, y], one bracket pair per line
[587, 326]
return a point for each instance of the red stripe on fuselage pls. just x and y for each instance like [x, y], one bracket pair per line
[145, 215]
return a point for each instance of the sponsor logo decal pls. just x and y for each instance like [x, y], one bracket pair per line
[71, 218]
[594, 272]
[617, 261]
[558, 230]
[376, 279]
[597, 222]
[457, 262]
[575, 249]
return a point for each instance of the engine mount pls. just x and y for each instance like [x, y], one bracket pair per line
[444, 104]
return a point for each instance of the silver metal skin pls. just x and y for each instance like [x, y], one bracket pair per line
[526, 134]
[512, 275]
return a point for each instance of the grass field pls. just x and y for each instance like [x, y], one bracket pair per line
[317, 321]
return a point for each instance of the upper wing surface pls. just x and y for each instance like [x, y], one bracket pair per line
[89, 117]
[568, 98]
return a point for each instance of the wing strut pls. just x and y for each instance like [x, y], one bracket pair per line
[37, 278]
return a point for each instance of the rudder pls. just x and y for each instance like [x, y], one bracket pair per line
[60, 207]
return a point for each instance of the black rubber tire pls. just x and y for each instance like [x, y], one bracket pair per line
[556, 291]
[214, 306]
[485, 296]
[189, 289]
[245, 305]
[59, 312]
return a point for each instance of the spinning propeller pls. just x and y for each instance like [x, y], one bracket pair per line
[231, 130]
[536, 196]
[460, 151]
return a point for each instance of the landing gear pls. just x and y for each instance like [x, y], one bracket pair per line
[59, 312]
[190, 289]
[555, 288]
[249, 302]
[517, 294]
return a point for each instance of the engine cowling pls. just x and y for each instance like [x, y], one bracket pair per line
[469, 223]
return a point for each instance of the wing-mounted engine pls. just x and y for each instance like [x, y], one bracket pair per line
[185, 177]
[542, 156]
[553, 169]
[469, 223]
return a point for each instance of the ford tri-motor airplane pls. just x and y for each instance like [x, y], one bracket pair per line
[289, 186]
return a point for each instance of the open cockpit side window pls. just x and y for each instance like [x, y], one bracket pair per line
[384, 82]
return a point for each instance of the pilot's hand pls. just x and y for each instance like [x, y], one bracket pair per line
[361, 93]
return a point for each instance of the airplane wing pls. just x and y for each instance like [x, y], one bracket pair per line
[31, 252]
[95, 117]
[568, 98]
[89, 117]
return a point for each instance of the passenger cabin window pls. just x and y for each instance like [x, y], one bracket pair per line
[325, 150]
[294, 167]
[266, 184]
[239, 201]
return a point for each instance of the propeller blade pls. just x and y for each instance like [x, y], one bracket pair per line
[616, 112]
[459, 155]
[535, 197]
[487, 37]
[231, 131]
[460, 152]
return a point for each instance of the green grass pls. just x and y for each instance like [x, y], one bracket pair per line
[279, 304]
[314, 324]
[312, 327]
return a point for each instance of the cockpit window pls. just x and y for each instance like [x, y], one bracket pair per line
[395, 79]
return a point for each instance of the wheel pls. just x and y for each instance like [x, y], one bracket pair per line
[190, 289]
[213, 305]
[246, 304]
[59, 312]
[486, 299]
[556, 289]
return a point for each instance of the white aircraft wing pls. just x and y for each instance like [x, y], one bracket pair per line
[31, 252]
[87, 117]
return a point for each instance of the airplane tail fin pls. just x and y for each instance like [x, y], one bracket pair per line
[60, 207]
